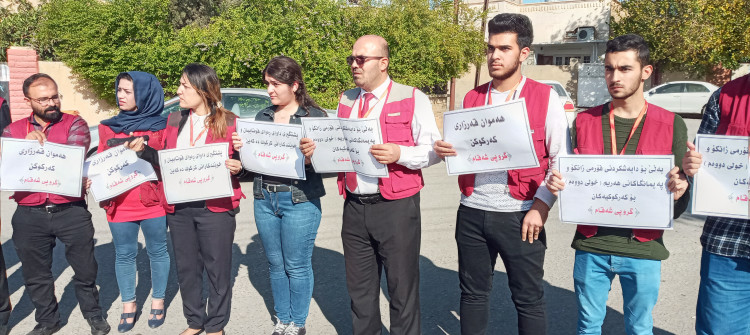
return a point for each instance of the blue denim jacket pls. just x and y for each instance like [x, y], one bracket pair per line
[302, 190]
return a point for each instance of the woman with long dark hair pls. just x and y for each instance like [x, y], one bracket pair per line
[141, 101]
[287, 212]
[203, 231]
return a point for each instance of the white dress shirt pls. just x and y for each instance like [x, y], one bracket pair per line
[491, 192]
[199, 123]
[423, 129]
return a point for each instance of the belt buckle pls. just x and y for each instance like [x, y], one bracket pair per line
[50, 208]
[271, 188]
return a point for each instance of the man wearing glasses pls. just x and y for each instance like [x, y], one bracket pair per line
[42, 217]
[382, 220]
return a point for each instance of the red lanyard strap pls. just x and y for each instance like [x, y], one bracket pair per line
[510, 94]
[192, 142]
[632, 131]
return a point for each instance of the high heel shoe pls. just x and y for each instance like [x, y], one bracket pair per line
[155, 322]
[124, 325]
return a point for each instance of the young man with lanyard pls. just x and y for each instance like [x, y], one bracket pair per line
[627, 125]
[382, 220]
[504, 212]
[42, 217]
[724, 293]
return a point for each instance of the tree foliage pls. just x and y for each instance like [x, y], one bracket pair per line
[692, 35]
[18, 27]
[100, 39]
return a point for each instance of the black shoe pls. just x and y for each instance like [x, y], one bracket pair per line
[153, 322]
[45, 330]
[99, 326]
[124, 325]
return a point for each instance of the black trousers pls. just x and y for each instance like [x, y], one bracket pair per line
[481, 236]
[202, 240]
[386, 234]
[34, 233]
[5, 306]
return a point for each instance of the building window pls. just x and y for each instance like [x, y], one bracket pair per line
[558, 61]
[587, 59]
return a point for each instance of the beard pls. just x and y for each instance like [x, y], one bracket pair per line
[49, 114]
[503, 75]
[624, 93]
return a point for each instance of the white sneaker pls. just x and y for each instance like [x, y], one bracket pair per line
[280, 328]
[294, 330]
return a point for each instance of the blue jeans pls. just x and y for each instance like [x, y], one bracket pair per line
[640, 278]
[288, 232]
[724, 296]
[125, 239]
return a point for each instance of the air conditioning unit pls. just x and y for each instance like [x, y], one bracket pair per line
[585, 34]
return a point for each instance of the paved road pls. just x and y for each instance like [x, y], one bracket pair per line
[252, 307]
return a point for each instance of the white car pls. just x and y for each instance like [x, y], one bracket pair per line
[565, 99]
[682, 97]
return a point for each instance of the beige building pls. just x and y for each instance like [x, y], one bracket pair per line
[566, 33]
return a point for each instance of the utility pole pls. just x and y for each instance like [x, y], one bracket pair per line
[484, 24]
[452, 96]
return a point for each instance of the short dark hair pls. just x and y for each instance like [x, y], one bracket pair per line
[630, 42]
[32, 79]
[513, 23]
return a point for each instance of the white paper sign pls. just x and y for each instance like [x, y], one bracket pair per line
[617, 191]
[197, 173]
[360, 135]
[720, 188]
[489, 138]
[272, 148]
[115, 171]
[331, 150]
[52, 168]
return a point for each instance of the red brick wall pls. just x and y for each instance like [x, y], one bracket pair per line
[22, 62]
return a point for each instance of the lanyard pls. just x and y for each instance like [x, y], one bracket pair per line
[510, 94]
[385, 94]
[632, 131]
[30, 127]
[192, 142]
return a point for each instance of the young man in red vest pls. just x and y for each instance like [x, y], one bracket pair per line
[626, 125]
[724, 294]
[504, 212]
[382, 221]
[42, 217]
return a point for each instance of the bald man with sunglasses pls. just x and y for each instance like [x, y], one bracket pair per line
[382, 221]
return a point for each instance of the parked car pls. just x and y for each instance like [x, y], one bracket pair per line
[565, 99]
[244, 102]
[682, 97]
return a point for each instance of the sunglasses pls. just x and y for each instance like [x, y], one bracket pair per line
[361, 59]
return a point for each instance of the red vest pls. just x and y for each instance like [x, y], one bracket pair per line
[395, 125]
[656, 139]
[734, 101]
[56, 133]
[522, 183]
[149, 191]
[170, 142]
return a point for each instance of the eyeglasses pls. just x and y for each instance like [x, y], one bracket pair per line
[361, 59]
[45, 101]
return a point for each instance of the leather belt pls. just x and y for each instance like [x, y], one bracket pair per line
[55, 208]
[366, 199]
[276, 188]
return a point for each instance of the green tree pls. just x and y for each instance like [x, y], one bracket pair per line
[19, 27]
[691, 35]
[100, 39]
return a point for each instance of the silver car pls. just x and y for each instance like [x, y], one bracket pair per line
[682, 97]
